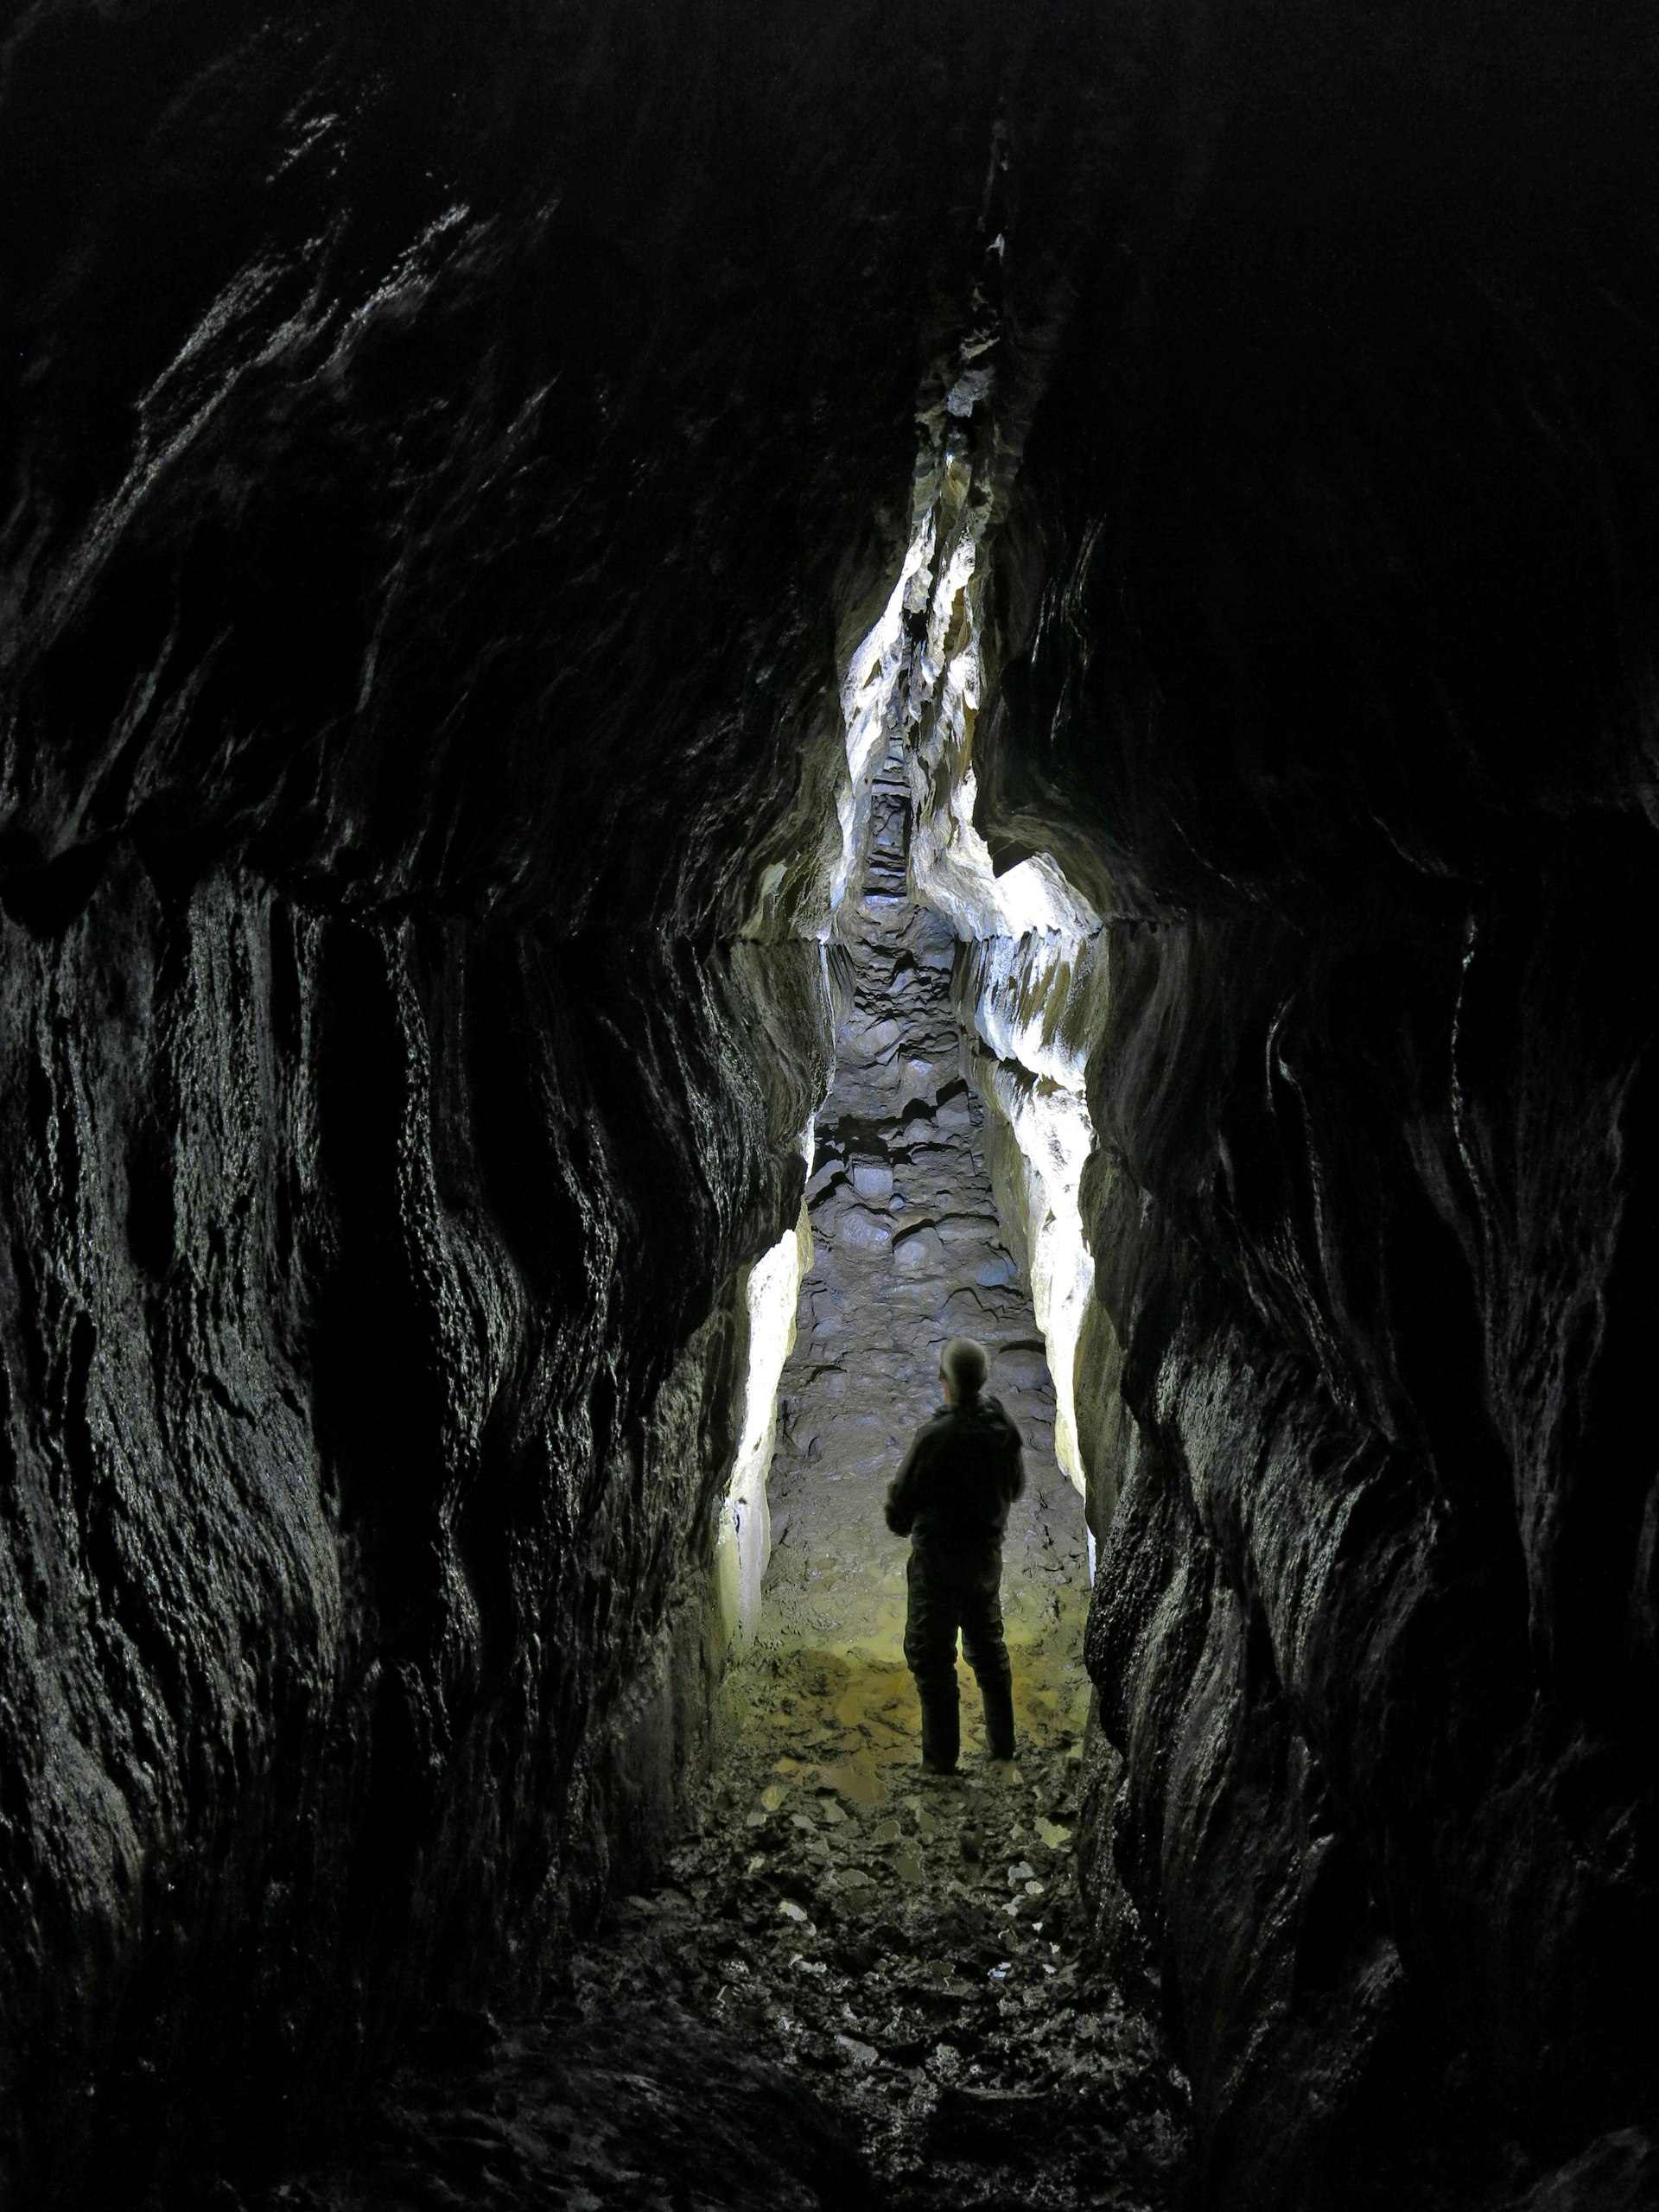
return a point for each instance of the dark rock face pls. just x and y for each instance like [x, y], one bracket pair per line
[649, 2111]
[367, 1412]
[444, 460]
[445, 456]
[1328, 620]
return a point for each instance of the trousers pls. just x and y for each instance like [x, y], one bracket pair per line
[952, 1592]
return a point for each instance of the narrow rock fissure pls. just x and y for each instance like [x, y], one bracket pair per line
[907, 1946]
[916, 1938]
[853, 1983]
[907, 1250]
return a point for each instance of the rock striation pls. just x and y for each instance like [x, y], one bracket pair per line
[367, 1411]
[1321, 654]
[443, 478]
[908, 1249]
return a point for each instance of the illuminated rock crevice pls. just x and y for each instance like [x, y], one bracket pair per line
[909, 1246]
[1029, 976]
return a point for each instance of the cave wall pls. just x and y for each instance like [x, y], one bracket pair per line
[370, 1328]
[1327, 606]
[448, 461]
[445, 460]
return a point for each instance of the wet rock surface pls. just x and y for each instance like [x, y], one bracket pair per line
[1323, 669]
[908, 1249]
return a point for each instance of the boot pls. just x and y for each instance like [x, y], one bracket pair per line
[997, 1699]
[942, 1729]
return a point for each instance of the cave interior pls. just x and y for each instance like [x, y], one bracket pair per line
[690, 693]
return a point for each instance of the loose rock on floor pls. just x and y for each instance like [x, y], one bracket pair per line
[859, 1984]
[908, 1943]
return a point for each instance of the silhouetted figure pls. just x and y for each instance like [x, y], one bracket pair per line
[951, 1498]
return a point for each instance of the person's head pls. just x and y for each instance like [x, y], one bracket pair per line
[961, 1370]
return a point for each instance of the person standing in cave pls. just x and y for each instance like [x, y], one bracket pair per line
[951, 1497]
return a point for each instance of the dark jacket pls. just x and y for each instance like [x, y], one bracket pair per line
[960, 1476]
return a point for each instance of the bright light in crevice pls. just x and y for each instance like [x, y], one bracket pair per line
[771, 1293]
[1050, 1124]
[1032, 934]
[867, 698]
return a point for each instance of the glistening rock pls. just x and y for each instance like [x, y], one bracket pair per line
[368, 1408]
[1326, 602]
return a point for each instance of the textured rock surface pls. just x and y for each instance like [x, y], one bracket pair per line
[367, 1407]
[643, 2111]
[445, 456]
[1326, 620]
[443, 472]
[844, 1954]
[908, 1945]
[908, 1249]
[907, 1949]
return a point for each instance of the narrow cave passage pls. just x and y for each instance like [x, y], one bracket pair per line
[907, 1945]
[486, 487]
[852, 1984]
[907, 1249]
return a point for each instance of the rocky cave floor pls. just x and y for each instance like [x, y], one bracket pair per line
[908, 1944]
[857, 1984]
